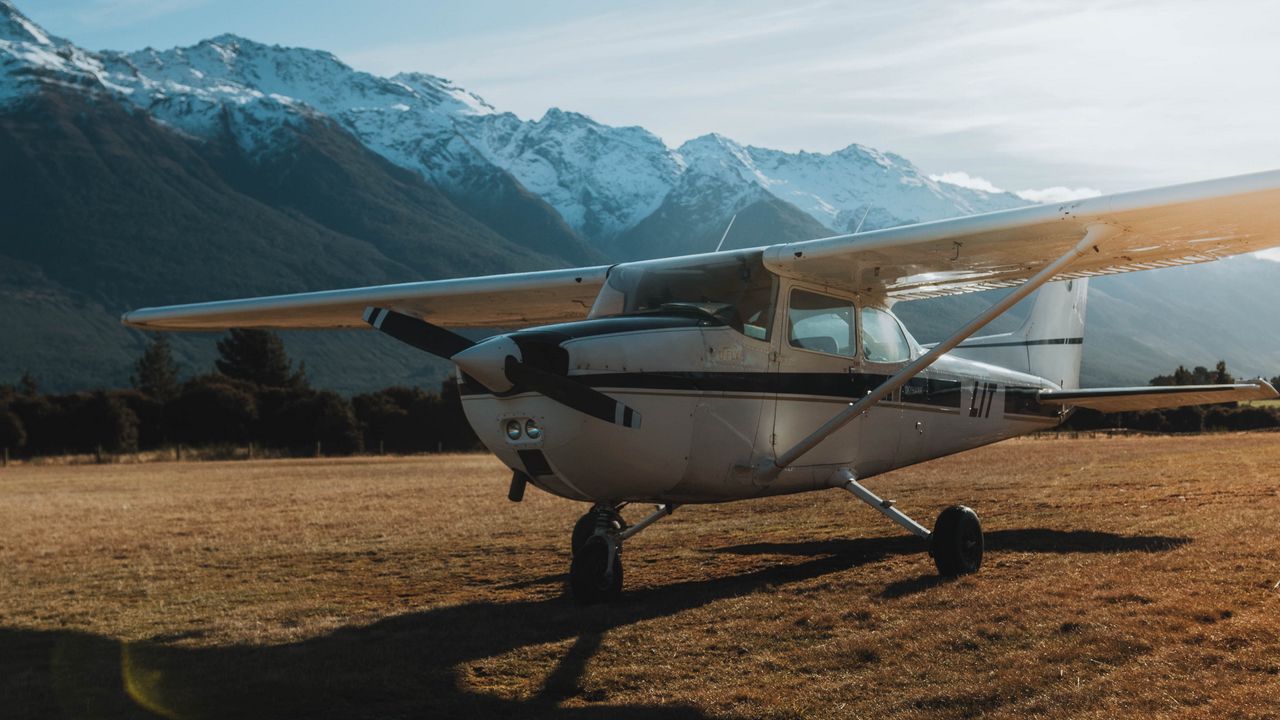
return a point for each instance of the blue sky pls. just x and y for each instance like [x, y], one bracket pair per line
[1106, 95]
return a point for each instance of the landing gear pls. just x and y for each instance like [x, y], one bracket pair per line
[595, 575]
[956, 543]
[586, 525]
[956, 540]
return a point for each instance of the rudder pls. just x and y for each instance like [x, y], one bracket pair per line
[1050, 343]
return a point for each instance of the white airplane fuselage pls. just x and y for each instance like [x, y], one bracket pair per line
[715, 402]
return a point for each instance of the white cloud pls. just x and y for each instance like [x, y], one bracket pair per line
[965, 180]
[1057, 194]
[1053, 194]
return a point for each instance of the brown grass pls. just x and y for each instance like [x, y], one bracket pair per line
[1124, 577]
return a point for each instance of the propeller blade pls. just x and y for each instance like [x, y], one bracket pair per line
[418, 333]
[484, 365]
[572, 393]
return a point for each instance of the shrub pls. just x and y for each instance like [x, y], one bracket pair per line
[13, 434]
[212, 410]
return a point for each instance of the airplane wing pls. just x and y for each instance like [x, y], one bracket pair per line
[1158, 228]
[1157, 397]
[507, 301]
[1170, 226]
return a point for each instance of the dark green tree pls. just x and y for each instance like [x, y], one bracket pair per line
[110, 423]
[258, 357]
[13, 434]
[1220, 374]
[28, 386]
[212, 409]
[156, 373]
[1199, 376]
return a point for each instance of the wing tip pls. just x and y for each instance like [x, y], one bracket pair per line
[130, 319]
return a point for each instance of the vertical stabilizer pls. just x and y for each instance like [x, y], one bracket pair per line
[1049, 344]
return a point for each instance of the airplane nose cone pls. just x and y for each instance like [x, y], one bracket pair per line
[486, 361]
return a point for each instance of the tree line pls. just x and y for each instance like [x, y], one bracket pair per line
[253, 397]
[256, 397]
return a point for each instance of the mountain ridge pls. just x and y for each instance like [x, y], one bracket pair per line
[602, 180]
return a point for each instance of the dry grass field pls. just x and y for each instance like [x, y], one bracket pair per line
[1124, 577]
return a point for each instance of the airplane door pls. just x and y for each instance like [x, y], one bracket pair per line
[885, 351]
[821, 371]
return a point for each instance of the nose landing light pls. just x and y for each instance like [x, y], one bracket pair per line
[513, 430]
[521, 430]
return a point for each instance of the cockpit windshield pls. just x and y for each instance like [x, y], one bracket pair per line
[734, 288]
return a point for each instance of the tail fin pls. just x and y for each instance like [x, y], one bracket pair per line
[1050, 344]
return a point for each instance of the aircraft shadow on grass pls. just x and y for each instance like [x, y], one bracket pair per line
[410, 665]
[414, 665]
[1035, 540]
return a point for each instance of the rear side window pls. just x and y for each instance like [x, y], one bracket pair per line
[882, 338]
[821, 323]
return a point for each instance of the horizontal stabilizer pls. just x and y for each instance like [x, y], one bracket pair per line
[1157, 397]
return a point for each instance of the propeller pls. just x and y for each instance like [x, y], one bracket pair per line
[418, 333]
[498, 364]
[571, 393]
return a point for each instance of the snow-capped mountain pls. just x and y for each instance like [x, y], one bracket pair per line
[409, 119]
[837, 189]
[31, 58]
[603, 181]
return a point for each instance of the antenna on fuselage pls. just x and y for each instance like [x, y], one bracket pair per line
[865, 213]
[726, 232]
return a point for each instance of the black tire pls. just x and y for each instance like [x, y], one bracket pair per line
[586, 527]
[957, 543]
[588, 580]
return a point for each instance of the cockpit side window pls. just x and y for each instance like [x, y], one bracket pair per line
[821, 323]
[882, 338]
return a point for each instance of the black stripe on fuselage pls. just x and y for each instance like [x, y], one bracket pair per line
[1025, 343]
[845, 386]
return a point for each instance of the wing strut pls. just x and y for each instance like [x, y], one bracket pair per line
[768, 470]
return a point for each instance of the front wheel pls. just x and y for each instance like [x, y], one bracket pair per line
[592, 579]
[956, 543]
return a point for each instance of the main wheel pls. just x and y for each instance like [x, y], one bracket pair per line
[586, 527]
[956, 544]
[590, 579]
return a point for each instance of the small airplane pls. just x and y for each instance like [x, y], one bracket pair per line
[782, 369]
